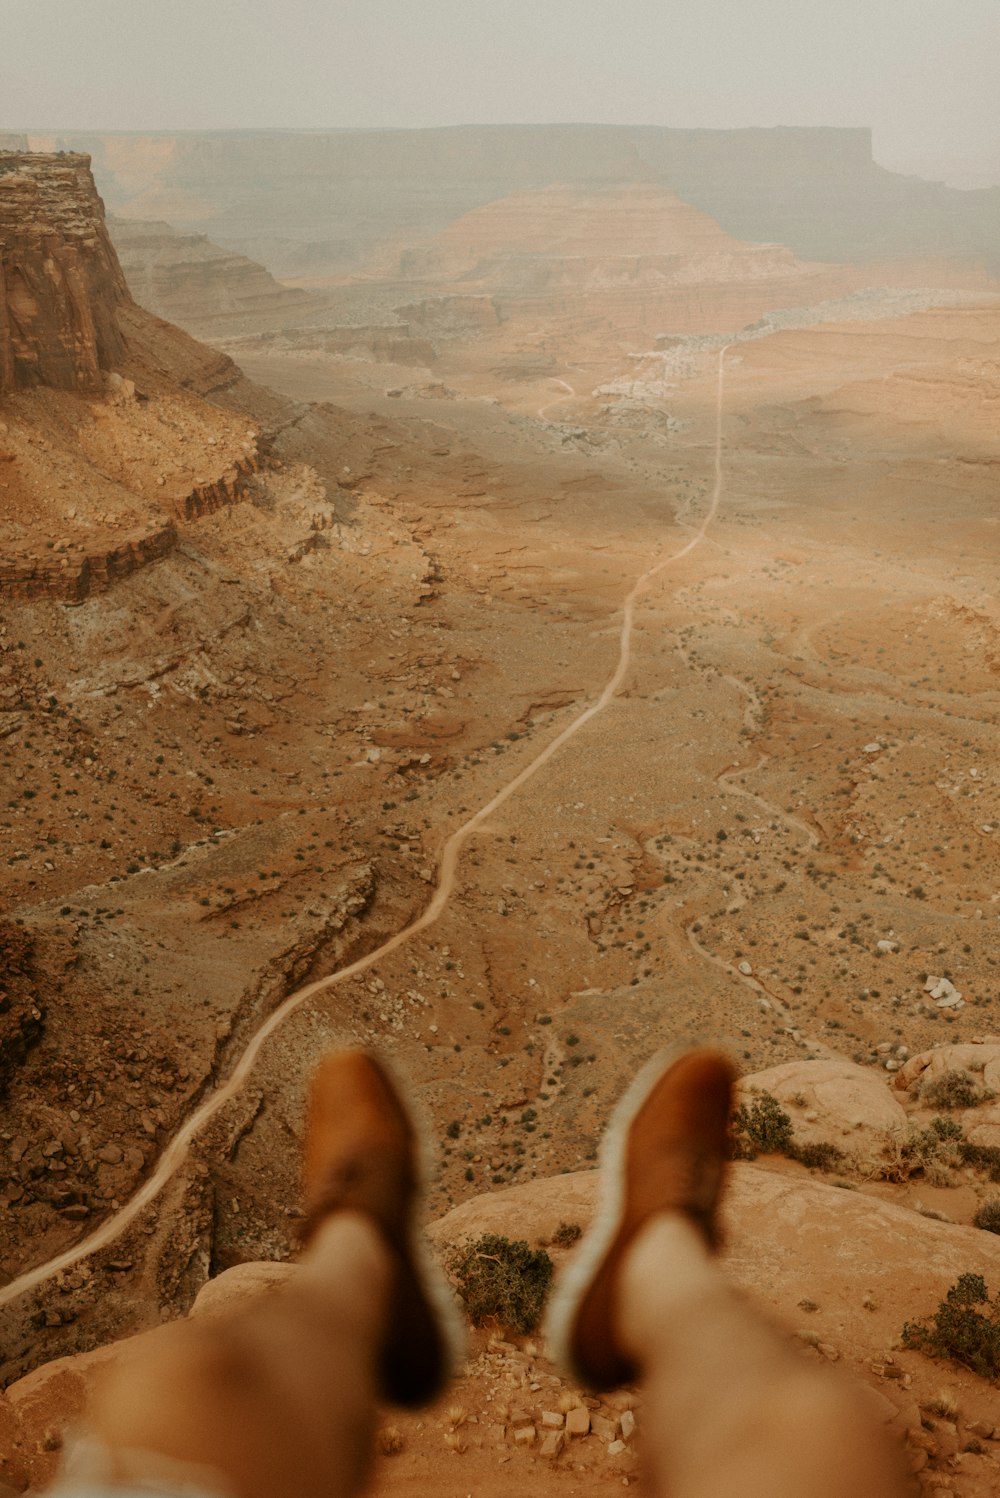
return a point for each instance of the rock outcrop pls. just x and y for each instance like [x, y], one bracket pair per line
[201, 287]
[61, 286]
[833, 1101]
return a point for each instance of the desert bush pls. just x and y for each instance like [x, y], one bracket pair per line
[763, 1128]
[819, 1156]
[933, 1150]
[566, 1234]
[983, 1156]
[500, 1280]
[953, 1089]
[988, 1216]
[960, 1331]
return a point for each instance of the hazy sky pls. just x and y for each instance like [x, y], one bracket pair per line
[923, 73]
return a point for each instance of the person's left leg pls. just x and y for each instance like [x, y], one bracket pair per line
[277, 1399]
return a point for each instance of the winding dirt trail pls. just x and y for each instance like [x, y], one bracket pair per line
[726, 779]
[559, 400]
[772, 1000]
[175, 1152]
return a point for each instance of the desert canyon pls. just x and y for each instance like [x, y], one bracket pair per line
[517, 598]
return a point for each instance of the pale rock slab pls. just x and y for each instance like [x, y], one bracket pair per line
[841, 1102]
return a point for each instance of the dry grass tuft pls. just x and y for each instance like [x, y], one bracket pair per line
[944, 1404]
[390, 1440]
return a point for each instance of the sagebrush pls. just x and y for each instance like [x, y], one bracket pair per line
[764, 1128]
[501, 1280]
[960, 1330]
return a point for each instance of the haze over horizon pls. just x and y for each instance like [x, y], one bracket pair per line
[920, 74]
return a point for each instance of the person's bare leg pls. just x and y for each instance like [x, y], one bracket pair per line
[273, 1401]
[729, 1405]
[277, 1399]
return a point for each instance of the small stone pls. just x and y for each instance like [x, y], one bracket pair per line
[552, 1420]
[552, 1445]
[616, 1448]
[981, 1428]
[524, 1435]
[620, 1400]
[745, 968]
[603, 1428]
[628, 1425]
[111, 1154]
[578, 1422]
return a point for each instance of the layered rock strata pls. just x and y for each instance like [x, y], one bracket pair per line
[73, 570]
[203, 288]
[61, 286]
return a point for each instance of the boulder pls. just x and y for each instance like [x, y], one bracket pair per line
[237, 1285]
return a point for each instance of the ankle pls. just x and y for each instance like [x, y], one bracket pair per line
[665, 1268]
[349, 1248]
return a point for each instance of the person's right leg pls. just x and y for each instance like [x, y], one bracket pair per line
[730, 1407]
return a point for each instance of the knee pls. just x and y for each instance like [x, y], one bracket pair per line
[163, 1380]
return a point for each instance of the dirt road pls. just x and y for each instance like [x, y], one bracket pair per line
[176, 1150]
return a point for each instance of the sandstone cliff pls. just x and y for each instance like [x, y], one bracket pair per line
[61, 287]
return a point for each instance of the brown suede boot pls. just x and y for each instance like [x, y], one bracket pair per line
[665, 1150]
[361, 1154]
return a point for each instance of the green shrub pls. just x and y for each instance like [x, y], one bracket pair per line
[762, 1129]
[988, 1216]
[503, 1281]
[566, 1234]
[959, 1331]
[938, 1144]
[953, 1089]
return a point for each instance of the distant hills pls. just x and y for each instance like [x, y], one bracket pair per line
[318, 202]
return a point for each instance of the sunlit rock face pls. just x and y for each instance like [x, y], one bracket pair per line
[61, 287]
